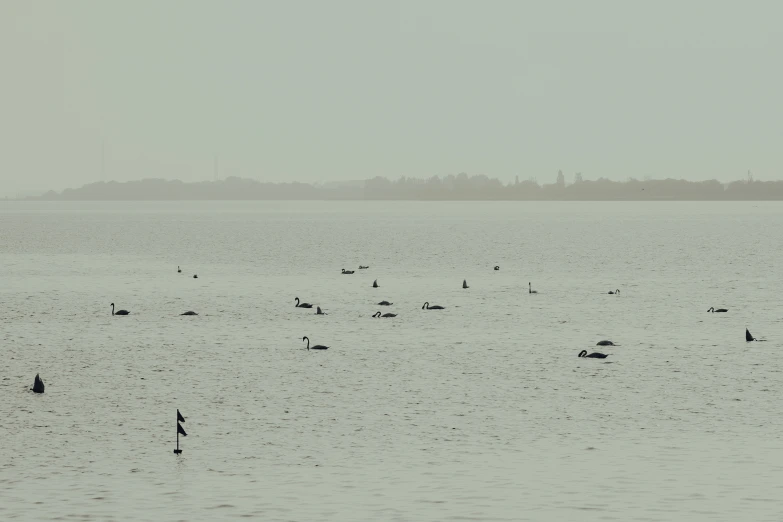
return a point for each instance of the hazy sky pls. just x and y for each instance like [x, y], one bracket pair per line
[348, 89]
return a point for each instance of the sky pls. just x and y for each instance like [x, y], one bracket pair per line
[318, 91]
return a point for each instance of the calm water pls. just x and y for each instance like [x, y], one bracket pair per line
[481, 411]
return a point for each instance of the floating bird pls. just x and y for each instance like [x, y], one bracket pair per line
[594, 355]
[195, 276]
[428, 307]
[118, 312]
[378, 314]
[530, 289]
[605, 343]
[316, 347]
[363, 267]
[38, 385]
[375, 284]
[497, 267]
[385, 303]
[189, 312]
[179, 270]
[712, 309]
[749, 338]
[465, 283]
[318, 311]
[347, 271]
[615, 292]
[302, 305]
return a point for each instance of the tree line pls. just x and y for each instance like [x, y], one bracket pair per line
[448, 188]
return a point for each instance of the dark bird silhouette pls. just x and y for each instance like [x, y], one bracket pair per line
[195, 276]
[530, 289]
[749, 338]
[378, 314]
[363, 267]
[118, 312]
[38, 385]
[347, 271]
[594, 355]
[316, 347]
[179, 270]
[712, 309]
[615, 292]
[318, 311]
[497, 267]
[605, 343]
[375, 284]
[385, 303]
[428, 307]
[189, 312]
[465, 283]
[302, 305]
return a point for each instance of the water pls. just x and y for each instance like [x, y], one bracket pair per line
[481, 411]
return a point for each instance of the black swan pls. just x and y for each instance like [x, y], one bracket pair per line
[38, 385]
[594, 355]
[118, 312]
[428, 307]
[302, 305]
[316, 347]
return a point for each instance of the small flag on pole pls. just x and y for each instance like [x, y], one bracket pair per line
[180, 418]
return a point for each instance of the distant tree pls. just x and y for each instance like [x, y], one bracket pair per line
[578, 178]
[560, 179]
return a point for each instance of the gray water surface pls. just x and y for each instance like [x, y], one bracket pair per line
[481, 411]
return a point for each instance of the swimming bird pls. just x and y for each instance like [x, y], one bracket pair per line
[465, 283]
[605, 343]
[615, 292]
[195, 276]
[179, 270]
[119, 312]
[375, 284]
[497, 267]
[316, 347]
[749, 338]
[385, 303]
[530, 289]
[38, 385]
[594, 355]
[712, 309]
[363, 267]
[318, 311]
[189, 312]
[302, 305]
[428, 307]
[347, 271]
[378, 314]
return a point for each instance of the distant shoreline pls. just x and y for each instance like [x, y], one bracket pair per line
[449, 188]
